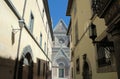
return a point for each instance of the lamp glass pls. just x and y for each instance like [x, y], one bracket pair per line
[92, 31]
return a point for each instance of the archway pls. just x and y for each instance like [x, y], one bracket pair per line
[25, 69]
[87, 73]
[63, 67]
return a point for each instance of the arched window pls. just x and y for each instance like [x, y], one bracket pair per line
[61, 70]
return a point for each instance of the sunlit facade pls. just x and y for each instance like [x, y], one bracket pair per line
[26, 39]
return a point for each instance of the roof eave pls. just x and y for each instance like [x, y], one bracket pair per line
[69, 27]
[69, 7]
[48, 16]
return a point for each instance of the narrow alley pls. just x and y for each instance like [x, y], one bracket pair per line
[60, 39]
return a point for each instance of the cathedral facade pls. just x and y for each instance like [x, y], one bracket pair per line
[60, 52]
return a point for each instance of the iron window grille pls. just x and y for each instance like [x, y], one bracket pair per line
[105, 49]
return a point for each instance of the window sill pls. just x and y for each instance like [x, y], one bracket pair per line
[110, 68]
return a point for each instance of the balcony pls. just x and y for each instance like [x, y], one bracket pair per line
[100, 6]
[112, 15]
[107, 9]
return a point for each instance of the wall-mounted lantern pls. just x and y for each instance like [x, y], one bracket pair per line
[92, 32]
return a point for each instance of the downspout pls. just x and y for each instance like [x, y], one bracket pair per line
[47, 54]
[18, 49]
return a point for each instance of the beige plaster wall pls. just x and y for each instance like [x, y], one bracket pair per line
[85, 46]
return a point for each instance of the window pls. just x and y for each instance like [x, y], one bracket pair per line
[39, 65]
[61, 73]
[61, 70]
[104, 52]
[77, 66]
[43, 13]
[41, 39]
[72, 53]
[45, 47]
[76, 33]
[31, 23]
[61, 40]
[13, 37]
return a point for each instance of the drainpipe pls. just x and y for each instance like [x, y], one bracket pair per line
[47, 31]
[21, 24]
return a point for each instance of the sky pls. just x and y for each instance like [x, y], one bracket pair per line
[58, 11]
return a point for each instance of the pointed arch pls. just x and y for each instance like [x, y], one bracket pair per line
[87, 71]
[26, 62]
[26, 50]
[61, 70]
[61, 56]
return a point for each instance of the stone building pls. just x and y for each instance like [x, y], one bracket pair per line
[60, 52]
[94, 39]
[25, 39]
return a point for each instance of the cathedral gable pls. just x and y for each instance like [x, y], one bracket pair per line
[60, 27]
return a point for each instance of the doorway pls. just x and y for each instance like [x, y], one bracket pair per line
[87, 73]
[25, 69]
